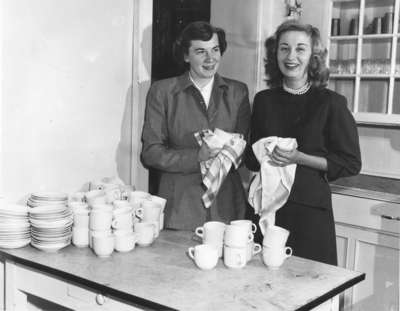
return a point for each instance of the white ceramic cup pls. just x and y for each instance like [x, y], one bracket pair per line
[275, 236]
[81, 218]
[100, 220]
[146, 233]
[123, 231]
[235, 257]
[80, 236]
[78, 205]
[122, 222]
[121, 203]
[151, 211]
[237, 236]
[90, 196]
[103, 207]
[137, 197]
[253, 249]
[93, 233]
[125, 242]
[112, 194]
[103, 246]
[245, 223]
[205, 256]
[162, 202]
[212, 233]
[273, 257]
[123, 218]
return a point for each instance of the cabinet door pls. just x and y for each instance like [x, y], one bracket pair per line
[377, 254]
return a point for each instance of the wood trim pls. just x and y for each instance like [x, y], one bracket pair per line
[141, 79]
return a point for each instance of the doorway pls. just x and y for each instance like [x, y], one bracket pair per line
[169, 19]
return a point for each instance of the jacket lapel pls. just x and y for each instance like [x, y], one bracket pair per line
[217, 98]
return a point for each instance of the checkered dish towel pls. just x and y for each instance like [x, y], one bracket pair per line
[216, 169]
[271, 187]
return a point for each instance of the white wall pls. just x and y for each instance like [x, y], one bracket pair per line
[247, 26]
[66, 76]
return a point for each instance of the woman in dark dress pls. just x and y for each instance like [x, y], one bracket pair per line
[299, 106]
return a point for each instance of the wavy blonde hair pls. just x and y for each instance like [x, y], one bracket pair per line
[318, 73]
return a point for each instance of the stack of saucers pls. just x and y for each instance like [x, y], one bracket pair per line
[47, 198]
[14, 226]
[51, 221]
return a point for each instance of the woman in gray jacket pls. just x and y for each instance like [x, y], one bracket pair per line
[178, 107]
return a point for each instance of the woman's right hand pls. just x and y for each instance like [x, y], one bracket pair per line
[206, 152]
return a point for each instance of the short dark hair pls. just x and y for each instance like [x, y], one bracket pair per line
[318, 73]
[198, 30]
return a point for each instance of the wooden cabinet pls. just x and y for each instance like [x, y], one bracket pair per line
[364, 57]
[369, 243]
[28, 289]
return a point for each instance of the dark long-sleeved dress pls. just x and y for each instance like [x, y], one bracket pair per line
[175, 110]
[323, 126]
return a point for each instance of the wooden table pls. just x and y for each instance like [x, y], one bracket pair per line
[163, 277]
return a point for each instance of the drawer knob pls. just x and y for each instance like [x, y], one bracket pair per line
[100, 299]
[390, 217]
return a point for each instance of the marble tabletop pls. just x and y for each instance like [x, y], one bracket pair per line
[163, 274]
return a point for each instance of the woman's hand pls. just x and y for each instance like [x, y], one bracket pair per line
[206, 152]
[282, 157]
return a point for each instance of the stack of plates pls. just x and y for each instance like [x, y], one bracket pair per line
[47, 198]
[51, 221]
[14, 226]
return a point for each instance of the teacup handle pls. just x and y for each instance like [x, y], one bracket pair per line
[155, 229]
[114, 223]
[288, 254]
[257, 249]
[251, 237]
[199, 232]
[139, 212]
[253, 228]
[191, 252]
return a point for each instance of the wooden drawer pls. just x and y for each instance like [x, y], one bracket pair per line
[56, 290]
[363, 212]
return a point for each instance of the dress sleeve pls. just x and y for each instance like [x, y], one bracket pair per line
[250, 159]
[155, 151]
[344, 157]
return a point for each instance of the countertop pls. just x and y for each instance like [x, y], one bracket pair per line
[370, 187]
[163, 274]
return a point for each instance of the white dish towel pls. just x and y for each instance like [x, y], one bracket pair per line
[271, 186]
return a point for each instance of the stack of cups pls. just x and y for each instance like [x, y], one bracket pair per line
[96, 196]
[149, 209]
[252, 248]
[275, 250]
[80, 228]
[122, 224]
[123, 219]
[101, 239]
[212, 233]
[236, 241]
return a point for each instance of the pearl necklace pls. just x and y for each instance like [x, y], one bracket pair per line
[299, 91]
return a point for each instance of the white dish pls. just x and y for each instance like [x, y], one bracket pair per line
[15, 244]
[50, 195]
[50, 248]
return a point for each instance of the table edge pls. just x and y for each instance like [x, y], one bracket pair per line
[109, 291]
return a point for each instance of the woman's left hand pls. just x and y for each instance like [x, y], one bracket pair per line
[282, 157]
